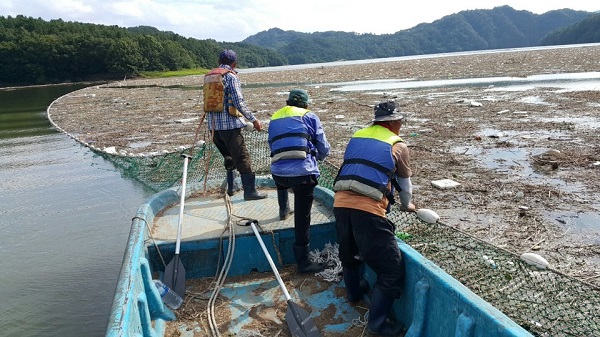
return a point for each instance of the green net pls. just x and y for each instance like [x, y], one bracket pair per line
[545, 302]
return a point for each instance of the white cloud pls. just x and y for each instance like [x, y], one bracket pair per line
[130, 9]
[233, 21]
[72, 7]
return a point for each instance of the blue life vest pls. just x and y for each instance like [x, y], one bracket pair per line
[368, 165]
[288, 135]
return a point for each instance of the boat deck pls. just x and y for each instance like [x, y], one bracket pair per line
[254, 298]
[205, 216]
[230, 284]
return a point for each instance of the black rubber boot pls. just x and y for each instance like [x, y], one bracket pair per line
[230, 182]
[284, 204]
[356, 287]
[303, 264]
[378, 325]
[249, 184]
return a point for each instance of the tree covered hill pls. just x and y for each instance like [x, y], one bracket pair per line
[34, 51]
[497, 28]
[584, 31]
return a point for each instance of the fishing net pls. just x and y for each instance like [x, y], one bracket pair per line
[205, 170]
[546, 302]
[543, 301]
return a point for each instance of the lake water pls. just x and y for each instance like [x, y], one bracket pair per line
[65, 215]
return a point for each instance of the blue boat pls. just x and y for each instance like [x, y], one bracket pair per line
[455, 284]
[215, 241]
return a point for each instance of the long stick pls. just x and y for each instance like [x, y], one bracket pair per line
[181, 202]
[262, 244]
[298, 320]
[174, 276]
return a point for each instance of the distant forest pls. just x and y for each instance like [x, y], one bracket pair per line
[34, 51]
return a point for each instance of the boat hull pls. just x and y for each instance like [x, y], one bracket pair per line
[432, 302]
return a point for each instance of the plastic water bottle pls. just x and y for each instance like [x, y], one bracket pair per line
[169, 297]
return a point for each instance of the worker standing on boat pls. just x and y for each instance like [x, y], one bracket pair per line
[225, 106]
[376, 162]
[297, 140]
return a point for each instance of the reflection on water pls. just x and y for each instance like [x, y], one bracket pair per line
[563, 82]
[515, 164]
[64, 221]
[409, 57]
[576, 221]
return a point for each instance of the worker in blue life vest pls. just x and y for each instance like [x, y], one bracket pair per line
[376, 162]
[297, 141]
[226, 109]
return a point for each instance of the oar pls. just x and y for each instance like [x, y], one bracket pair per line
[174, 276]
[298, 320]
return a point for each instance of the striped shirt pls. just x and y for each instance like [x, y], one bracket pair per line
[223, 120]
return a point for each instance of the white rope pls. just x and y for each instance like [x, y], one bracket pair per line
[240, 221]
[329, 257]
[361, 321]
[222, 275]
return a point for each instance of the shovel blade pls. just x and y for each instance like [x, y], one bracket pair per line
[174, 276]
[299, 321]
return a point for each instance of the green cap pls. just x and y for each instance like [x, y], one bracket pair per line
[298, 96]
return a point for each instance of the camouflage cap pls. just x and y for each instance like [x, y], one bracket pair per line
[387, 111]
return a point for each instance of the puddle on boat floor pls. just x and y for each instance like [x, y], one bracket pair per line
[255, 304]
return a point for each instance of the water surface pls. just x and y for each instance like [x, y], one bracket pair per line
[65, 215]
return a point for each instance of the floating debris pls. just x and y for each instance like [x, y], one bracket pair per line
[535, 260]
[444, 184]
[523, 210]
[110, 150]
[186, 120]
[428, 215]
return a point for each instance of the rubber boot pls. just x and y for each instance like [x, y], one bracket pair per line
[303, 264]
[249, 184]
[356, 287]
[284, 204]
[230, 182]
[378, 325]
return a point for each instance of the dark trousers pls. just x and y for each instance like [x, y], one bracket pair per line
[232, 146]
[372, 239]
[303, 188]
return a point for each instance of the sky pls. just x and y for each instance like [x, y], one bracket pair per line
[233, 21]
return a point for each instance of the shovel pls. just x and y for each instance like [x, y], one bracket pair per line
[174, 276]
[298, 320]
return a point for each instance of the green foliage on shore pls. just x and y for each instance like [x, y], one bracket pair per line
[34, 51]
[585, 31]
[173, 73]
